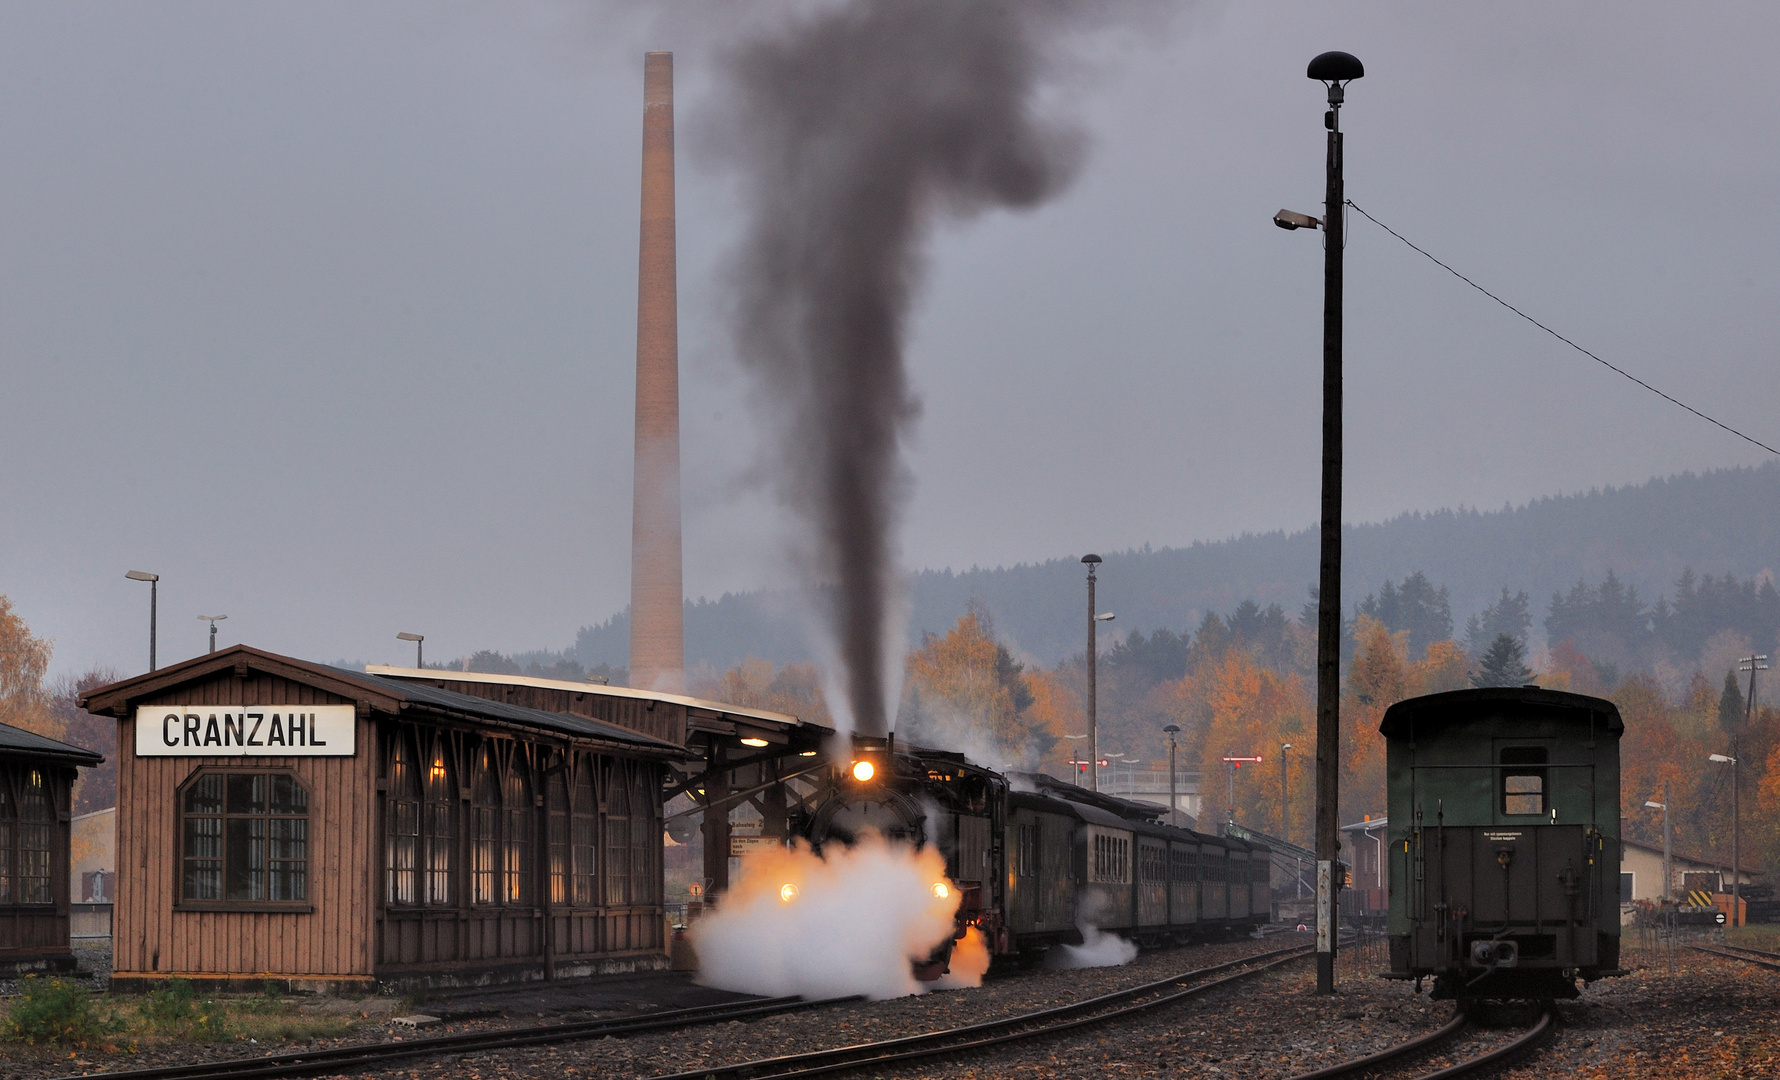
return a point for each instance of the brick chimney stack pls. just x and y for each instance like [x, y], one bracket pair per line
[657, 636]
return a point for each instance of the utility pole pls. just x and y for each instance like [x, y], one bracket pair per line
[1335, 70]
[1751, 664]
[1093, 562]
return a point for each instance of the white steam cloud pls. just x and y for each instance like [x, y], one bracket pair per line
[848, 923]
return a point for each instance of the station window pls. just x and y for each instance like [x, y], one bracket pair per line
[645, 836]
[556, 805]
[419, 815]
[26, 826]
[245, 838]
[617, 834]
[501, 832]
[584, 838]
[1523, 788]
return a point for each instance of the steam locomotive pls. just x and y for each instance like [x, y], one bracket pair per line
[1038, 860]
[1504, 841]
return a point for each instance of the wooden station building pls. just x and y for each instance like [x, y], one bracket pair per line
[36, 799]
[337, 830]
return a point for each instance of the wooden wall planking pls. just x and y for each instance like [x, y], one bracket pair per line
[333, 938]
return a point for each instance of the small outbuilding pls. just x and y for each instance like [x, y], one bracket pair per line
[36, 797]
[336, 830]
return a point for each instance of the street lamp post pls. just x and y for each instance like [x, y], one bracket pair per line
[1173, 802]
[1285, 822]
[1093, 561]
[1668, 873]
[154, 586]
[1335, 70]
[416, 639]
[1736, 863]
[213, 620]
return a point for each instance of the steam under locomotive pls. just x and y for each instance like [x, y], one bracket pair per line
[1038, 860]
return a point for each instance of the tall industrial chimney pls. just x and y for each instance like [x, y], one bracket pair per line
[657, 636]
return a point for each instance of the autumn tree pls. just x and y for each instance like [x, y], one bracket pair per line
[966, 692]
[1244, 708]
[755, 684]
[24, 659]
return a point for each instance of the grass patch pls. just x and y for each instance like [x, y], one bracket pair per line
[1754, 937]
[176, 1010]
[54, 1011]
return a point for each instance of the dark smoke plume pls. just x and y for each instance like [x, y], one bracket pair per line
[855, 129]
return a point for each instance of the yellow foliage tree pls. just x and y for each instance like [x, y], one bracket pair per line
[964, 692]
[24, 660]
[1058, 711]
[1249, 710]
[755, 684]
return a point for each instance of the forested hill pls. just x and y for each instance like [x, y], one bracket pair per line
[1648, 534]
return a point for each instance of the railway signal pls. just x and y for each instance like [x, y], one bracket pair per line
[1237, 761]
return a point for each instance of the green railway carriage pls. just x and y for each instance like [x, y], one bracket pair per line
[1504, 841]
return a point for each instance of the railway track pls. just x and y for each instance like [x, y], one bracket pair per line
[344, 1058]
[1761, 957]
[1393, 1056]
[995, 1033]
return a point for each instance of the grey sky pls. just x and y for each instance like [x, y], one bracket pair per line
[326, 312]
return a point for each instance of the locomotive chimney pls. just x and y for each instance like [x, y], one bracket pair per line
[657, 637]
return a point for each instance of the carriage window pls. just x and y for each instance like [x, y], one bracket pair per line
[245, 837]
[1112, 860]
[1523, 789]
[1026, 864]
[1185, 867]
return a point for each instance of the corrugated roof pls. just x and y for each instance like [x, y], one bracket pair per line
[566, 723]
[18, 740]
[599, 689]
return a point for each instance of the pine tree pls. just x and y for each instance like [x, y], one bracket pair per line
[1502, 664]
[1730, 703]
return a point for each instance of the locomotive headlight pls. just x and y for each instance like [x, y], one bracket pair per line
[941, 890]
[788, 892]
[864, 771]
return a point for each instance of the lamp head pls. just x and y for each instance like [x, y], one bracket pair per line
[405, 636]
[141, 575]
[1335, 67]
[1292, 219]
[1172, 728]
[1091, 559]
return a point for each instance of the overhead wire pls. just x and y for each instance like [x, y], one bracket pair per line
[1604, 363]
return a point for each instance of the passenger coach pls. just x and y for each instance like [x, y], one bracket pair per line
[1504, 841]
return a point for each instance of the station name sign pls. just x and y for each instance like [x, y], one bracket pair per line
[245, 731]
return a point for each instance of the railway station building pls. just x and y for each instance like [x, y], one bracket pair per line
[338, 830]
[36, 799]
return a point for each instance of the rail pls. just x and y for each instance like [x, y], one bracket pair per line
[341, 1058]
[993, 1033]
[1423, 1043]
